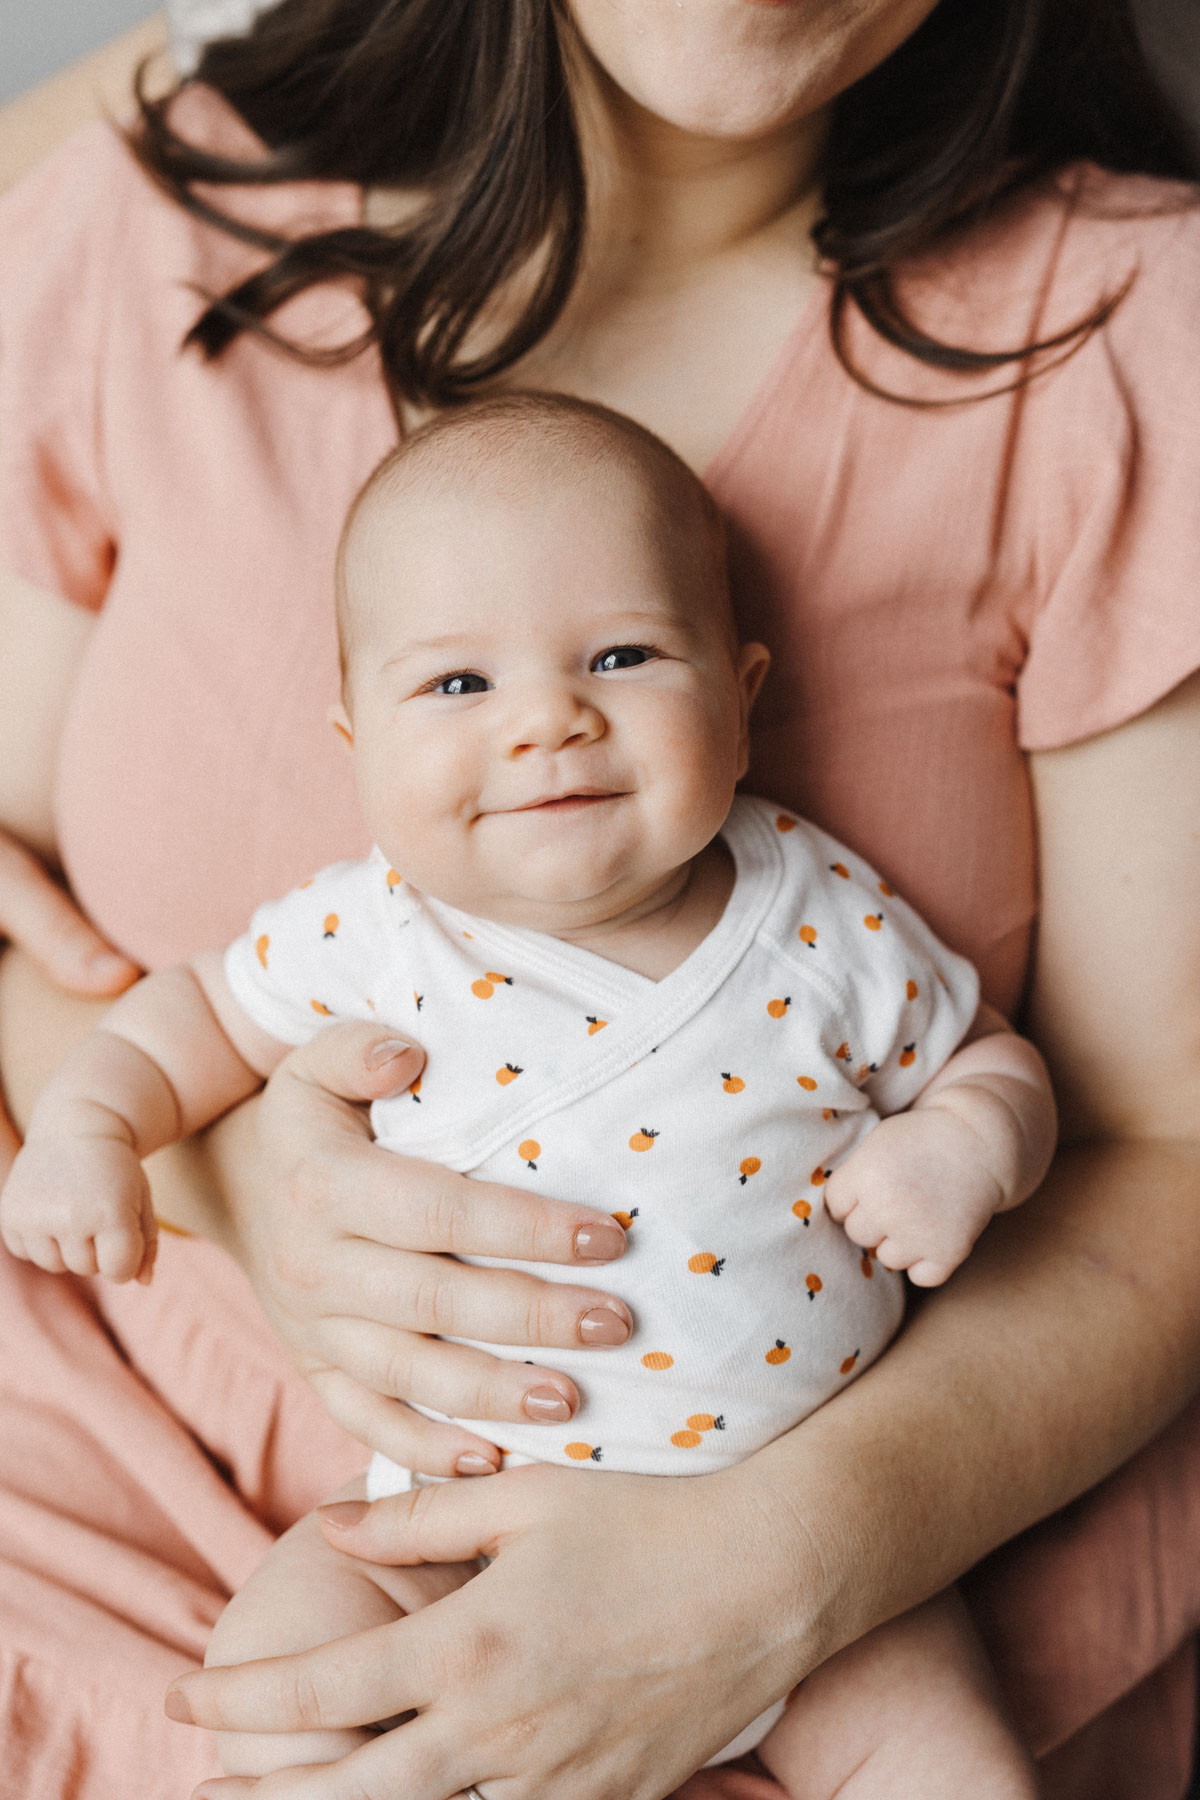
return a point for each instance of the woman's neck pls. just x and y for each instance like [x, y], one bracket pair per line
[663, 201]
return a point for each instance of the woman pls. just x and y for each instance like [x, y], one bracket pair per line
[912, 560]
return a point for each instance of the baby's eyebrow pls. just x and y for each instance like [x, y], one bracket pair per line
[449, 642]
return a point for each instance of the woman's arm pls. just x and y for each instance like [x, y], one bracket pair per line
[43, 639]
[615, 1641]
[32, 124]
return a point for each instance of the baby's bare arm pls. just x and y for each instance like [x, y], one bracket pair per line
[977, 1140]
[173, 1054]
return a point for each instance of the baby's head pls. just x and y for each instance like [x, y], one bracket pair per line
[542, 678]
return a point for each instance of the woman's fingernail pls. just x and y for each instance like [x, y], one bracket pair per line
[604, 1326]
[342, 1514]
[547, 1406]
[379, 1055]
[471, 1464]
[176, 1707]
[599, 1243]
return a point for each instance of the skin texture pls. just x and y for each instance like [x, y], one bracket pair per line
[1065, 1342]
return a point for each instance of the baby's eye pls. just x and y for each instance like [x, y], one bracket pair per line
[462, 683]
[621, 656]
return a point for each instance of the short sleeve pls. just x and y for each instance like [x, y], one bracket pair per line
[900, 1001]
[1112, 471]
[60, 229]
[314, 958]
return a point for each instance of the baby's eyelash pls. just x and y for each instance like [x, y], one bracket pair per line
[643, 653]
[457, 675]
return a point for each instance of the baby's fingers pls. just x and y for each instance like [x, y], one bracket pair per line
[78, 1254]
[930, 1274]
[42, 1252]
[120, 1251]
[862, 1226]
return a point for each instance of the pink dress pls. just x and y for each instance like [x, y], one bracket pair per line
[942, 589]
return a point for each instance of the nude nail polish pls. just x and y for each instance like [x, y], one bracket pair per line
[342, 1514]
[603, 1326]
[176, 1707]
[472, 1464]
[547, 1406]
[599, 1243]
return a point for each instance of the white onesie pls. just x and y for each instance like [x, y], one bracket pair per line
[704, 1110]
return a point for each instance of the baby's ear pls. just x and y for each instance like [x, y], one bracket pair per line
[752, 664]
[339, 718]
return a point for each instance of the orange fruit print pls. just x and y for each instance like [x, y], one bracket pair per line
[643, 1139]
[485, 987]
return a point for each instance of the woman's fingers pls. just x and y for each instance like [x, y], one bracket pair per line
[444, 1298]
[449, 1521]
[38, 915]
[350, 1681]
[356, 1062]
[444, 1211]
[453, 1379]
[396, 1431]
[414, 1761]
[414, 1205]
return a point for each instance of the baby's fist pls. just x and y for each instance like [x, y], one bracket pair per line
[80, 1204]
[917, 1192]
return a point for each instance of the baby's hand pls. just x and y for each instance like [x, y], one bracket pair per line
[918, 1191]
[80, 1204]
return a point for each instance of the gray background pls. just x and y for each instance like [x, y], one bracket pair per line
[39, 36]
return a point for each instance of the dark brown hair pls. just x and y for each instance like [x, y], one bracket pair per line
[466, 104]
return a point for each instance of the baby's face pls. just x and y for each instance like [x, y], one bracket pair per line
[547, 723]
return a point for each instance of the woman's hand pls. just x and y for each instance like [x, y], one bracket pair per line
[350, 1249]
[591, 1659]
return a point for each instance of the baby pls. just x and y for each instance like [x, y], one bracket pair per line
[634, 990]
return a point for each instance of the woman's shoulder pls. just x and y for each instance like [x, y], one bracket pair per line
[90, 206]
[1058, 251]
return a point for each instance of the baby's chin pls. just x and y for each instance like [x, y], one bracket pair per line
[547, 898]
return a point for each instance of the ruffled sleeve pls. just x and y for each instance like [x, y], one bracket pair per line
[1114, 479]
[60, 230]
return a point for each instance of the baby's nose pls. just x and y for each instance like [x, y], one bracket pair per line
[554, 719]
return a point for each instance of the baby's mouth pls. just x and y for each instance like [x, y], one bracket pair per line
[578, 800]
